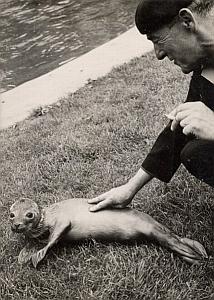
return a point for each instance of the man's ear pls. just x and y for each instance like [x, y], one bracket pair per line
[187, 19]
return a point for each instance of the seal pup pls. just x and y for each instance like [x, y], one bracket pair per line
[71, 220]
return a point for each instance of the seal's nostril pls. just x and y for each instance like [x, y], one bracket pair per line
[16, 226]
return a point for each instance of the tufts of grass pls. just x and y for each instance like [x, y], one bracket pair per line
[89, 142]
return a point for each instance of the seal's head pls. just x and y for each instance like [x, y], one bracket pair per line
[24, 216]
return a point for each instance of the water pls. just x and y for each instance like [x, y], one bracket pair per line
[37, 36]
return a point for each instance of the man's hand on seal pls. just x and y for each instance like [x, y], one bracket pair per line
[195, 118]
[118, 197]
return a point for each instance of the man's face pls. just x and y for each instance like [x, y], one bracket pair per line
[179, 45]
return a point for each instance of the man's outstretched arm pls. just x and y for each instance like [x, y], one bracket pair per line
[121, 196]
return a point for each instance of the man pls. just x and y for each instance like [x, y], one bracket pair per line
[183, 31]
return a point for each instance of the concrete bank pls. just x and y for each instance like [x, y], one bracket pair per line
[19, 102]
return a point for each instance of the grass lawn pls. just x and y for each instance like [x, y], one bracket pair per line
[91, 141]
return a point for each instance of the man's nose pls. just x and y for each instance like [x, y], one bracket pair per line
[160, 54]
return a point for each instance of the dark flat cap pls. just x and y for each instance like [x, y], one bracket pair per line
[153, 14]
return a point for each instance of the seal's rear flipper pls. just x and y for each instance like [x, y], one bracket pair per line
[196, 247]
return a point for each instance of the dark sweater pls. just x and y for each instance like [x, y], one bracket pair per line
[164, 158]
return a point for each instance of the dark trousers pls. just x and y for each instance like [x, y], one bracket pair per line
[198, 158]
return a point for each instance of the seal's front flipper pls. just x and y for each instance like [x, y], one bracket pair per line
[26, 254]
[38, 256]
[61, 227]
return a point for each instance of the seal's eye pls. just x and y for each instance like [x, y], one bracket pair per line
[12, 216]
[29, 215]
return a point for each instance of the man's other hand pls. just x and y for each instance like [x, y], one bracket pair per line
[195, 118]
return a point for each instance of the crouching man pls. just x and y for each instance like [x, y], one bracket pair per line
[182, 31]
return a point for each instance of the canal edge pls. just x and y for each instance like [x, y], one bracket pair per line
[18, 103]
